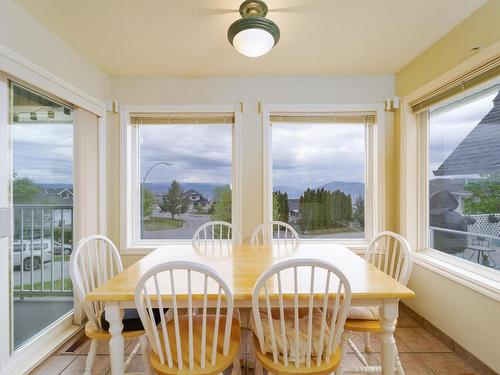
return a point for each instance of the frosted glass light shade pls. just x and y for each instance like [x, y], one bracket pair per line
[253, 42]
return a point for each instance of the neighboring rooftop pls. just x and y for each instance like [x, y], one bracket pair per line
[479, 152]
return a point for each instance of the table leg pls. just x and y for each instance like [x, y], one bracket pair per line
[388, 323]
[116, 344]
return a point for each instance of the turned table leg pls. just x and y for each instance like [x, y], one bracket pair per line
[388, 323]
[116, 344]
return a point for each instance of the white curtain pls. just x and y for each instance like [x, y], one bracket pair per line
[86, 180]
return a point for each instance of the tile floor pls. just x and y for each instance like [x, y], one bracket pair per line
[420, 352]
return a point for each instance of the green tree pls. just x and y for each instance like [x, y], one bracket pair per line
[222, 204]
[174, 200]
[280, 206]
[359, 211]
[324, 209]
[485, 198]
[24, 190]
[148, 199]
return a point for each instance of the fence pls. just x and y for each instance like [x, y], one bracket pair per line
[43, 241]
[483, 225]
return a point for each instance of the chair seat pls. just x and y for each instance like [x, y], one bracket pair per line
[266, 359]
[222, 362]
[131, 320]
[101, 334]
[363, 325]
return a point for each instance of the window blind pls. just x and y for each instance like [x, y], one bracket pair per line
[324, 118]
[468, 81]
[181, 118]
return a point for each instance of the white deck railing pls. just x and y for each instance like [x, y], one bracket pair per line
[41, 248]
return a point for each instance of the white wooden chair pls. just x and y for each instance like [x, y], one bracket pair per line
[216, 234]
[319, 352]
[94, 261]
[275, 231]
[390, 253]
[193, 343]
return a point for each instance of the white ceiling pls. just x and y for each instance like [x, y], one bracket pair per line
[188, 37]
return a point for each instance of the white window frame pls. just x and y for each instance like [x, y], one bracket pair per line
[20, 69]
[374, 167]
[414, 189]
[131, 243]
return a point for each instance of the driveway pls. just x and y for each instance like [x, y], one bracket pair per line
[191, 223]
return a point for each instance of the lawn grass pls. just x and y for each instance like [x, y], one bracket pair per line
[47, 285]
[162, 223]
[331, 230]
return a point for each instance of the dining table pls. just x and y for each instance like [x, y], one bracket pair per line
[240, 266]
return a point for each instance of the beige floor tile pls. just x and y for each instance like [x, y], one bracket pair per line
[137, 365]
[101, 366]
[447, 364]
[54, 365]
[352, 362]
[404, 320]
[418, 340]
[412, 365]
[376, 344]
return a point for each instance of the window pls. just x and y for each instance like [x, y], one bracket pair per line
[464, 177]
[42, 193]
[184, 174]
[322, 167]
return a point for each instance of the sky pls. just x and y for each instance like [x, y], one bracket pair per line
[303, 155]
[198, 153]
[43, 153]
[312, 155]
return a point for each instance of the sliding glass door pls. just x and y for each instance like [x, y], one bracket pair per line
[39, 195]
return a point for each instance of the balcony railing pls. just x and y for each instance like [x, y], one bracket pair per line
[480, 248]
[43, 242]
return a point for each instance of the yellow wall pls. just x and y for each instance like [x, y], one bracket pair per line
[467, 316]
[226, 90]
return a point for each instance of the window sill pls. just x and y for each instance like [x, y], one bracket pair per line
[461, 271]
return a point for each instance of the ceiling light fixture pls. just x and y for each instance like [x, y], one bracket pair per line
[253, 35]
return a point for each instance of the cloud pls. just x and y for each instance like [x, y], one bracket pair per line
[311, 155]
[199, 153]
[43, 153]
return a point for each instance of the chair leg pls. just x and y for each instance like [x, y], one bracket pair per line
[258, 368]
[236, 367]
[131, 357]
[343, 352]
[357, 353]
[368, 343]
[145, 351]
[89, 363]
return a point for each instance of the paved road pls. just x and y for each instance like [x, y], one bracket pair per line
[37, 274]
[191, 223]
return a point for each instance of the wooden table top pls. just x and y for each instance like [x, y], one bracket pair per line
[241, 266]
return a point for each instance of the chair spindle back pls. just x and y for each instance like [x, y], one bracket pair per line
[93, 262]
[327, 283]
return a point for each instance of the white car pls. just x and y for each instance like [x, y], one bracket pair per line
[31, 252]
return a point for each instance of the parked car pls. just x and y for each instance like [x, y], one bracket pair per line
[68, 248]
[31, 251]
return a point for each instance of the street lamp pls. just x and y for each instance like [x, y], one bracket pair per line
[166, 163]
